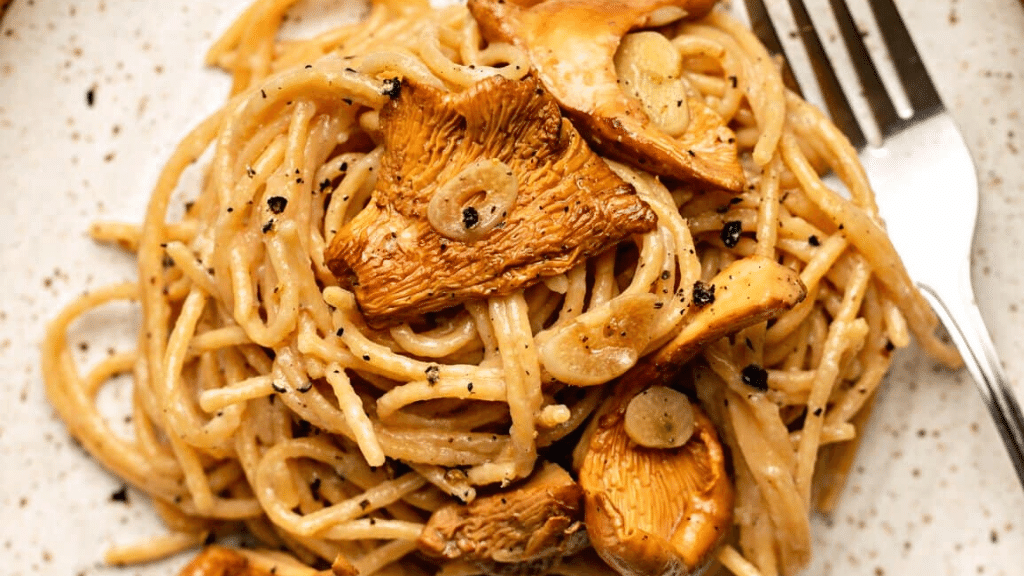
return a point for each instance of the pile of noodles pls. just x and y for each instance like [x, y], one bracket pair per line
[263, 401]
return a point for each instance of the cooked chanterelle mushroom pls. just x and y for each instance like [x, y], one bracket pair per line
[748, 291]
[480, 193]
[628, 98]
[659, 510]
[220, 561]
[526, 528]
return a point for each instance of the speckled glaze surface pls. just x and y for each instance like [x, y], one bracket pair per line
[93, 96]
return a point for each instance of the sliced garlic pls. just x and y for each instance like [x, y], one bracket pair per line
[659, 417]
[648, 67]
[602, 343]
[473, 203]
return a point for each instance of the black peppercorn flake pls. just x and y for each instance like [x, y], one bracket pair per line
[813, 240]
[302, 429]
[268, 226]
[755, 376]
[121, 495]
[277, 204]
[392, 88]
[703, 294]
[730, 234]
[433, 373]
[470, 217]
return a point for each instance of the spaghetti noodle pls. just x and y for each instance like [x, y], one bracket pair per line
[264, 399]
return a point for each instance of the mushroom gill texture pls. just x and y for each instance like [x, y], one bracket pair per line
[524, 529]
[499, 147]
[654, 511]
[573, 44]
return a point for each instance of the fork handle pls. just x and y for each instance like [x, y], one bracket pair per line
[959, 313]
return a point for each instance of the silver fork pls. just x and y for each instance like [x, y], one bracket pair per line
[926, 184]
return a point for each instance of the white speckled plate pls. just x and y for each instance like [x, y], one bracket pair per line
[94, 94]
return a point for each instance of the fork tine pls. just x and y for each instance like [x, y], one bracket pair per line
[762, 25]
[885, 113]
[835, 99]
[913, 75]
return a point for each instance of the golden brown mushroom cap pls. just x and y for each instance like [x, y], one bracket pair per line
[539, 523]
[654, 511]
[662, 511]
[568, 203]
[572, 44]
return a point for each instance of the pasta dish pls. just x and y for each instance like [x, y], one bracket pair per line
[511, 287]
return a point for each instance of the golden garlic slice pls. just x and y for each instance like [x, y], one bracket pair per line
[600, 344]
[474, 202]
[659, 417]
[648, 67]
